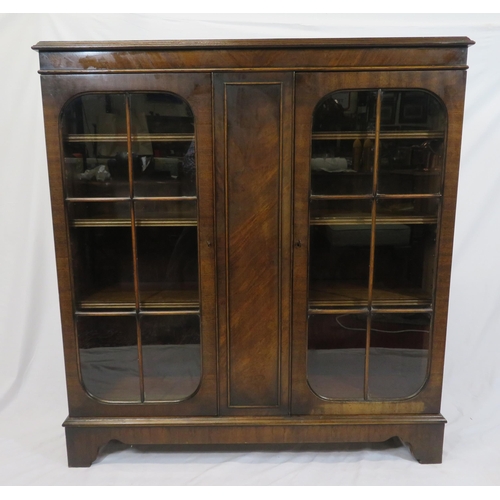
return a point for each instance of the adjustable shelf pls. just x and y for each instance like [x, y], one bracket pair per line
[337, 295]
[152, 297]
[123, 137]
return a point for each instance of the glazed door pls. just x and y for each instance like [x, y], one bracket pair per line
[375, 184]
[136, 226]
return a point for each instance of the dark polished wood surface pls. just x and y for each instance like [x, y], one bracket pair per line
[422, 434]
[458, 41]
[252, 201]
[253, 152]
[255, 60]
[253, 55]
[310, 88]
[253, 103]
[196, 90]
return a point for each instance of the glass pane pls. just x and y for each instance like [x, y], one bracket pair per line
[102, 267]
[168, 267]
[336, 355]
[413, 211]
[89, 173]
[404, 261]
[346, 111]
[411, 110]
[166, 213]
[341, 212]
[95, 114]
[399, 354]
[412, 142]
[163, 145]
[171, 356]
[342, 155]
[95, 146]
[339, 264]
[342, 166]
[160, 113]
[109, 357]
[410, 166]
[104, 214]
[171, 173]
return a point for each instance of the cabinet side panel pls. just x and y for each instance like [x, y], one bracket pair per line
[253, 173]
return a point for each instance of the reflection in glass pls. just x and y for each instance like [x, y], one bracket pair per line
[342, 156]
[409, 166]
[171, 356]
[342, 166]
[404, 263]
[163, 145]
[160, 113]
[96, 114]
[411, 110]
[102, 267]
[339, 264]
[96, 175]
[87, 214]
[96, 152]
[171, 173]
[410, 141]
[113, 262]
[109, 357]
[340, 212]
[168, 267]
[411, 210]
[336, 355]
[399, 354]
[412, 125]
[346, 111]
[95, 146]
[166, 213]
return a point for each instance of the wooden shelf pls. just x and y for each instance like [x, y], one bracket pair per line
[123, 137]
[342, 172]
[331, 294]
[414, 172]
[151, 297]
[384, 171]
[151, 188]
[139, 222]
[410, 134]
[351, 219]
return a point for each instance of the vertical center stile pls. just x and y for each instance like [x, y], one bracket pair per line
[134, 247]
[372, 240]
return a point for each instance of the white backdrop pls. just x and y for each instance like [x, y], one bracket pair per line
[32, 390]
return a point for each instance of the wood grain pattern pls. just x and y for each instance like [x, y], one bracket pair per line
[253, 173]
[423, 434]
[253, 156]
[311, 87]
[196, 90]
[253, 102]
[253, 59]
[457, 41]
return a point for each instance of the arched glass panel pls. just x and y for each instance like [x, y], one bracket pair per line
[376, 179]
[131, 198]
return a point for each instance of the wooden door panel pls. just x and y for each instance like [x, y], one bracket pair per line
[195, 89]
[253, 164]
[252, 197]
[446, 87]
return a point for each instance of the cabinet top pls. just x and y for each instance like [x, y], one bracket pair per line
[461, 41]
[319, 54]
